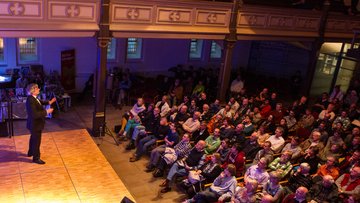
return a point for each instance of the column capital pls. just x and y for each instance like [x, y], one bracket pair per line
[103, 41]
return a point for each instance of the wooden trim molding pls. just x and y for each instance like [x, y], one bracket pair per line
[170, 19]
[170, 16]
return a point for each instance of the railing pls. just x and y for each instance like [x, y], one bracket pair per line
[170, 19]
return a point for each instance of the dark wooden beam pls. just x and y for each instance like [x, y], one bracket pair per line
[103, 38]
[229, 43]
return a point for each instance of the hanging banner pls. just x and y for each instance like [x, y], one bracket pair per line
[68, 70]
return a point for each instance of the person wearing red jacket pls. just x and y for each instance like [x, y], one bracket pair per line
[236, 157]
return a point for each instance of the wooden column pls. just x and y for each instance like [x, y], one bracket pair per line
[229, 43]
[315, 50]
[103, 38]
[225, 69]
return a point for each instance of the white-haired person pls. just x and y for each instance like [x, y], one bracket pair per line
[246, 194]
[36, 120]
[324, 191]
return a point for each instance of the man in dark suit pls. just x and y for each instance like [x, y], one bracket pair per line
[36, 120]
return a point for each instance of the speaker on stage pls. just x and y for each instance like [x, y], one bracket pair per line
[126, 200]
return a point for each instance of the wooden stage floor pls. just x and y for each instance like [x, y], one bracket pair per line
[75, 171]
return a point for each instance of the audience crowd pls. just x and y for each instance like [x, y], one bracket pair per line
[255, 148]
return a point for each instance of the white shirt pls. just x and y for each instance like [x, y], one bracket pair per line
[276, 143]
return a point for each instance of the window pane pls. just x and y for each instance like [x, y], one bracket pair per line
[2, 49]
[28, 49]
[134, 48]
[193, 46]
[111, 49]
[195, 50]
[215, 52]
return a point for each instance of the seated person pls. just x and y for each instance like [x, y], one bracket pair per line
[225, 112]
[130, 125]
[262, 135]
[149, 125]
[251, 147]
[163, 105]
[193, 107]
[215, 107]
[354, 145]
[171, 139]
[300, 178]
[244, 108]
[312, 159]
[335, 139]
[298, 197]
[324, 191]
[180, 117]
[258, 172]
[321, 103]
[215, 122]
[277, 141]
[223, 187]
[200, 134]
[198, 89]
[234, 105]
[349, 162]
[202, 99]
[194, 160]
[212, 142]
[266, 152]
[22, 81]
[237, 135]
[284, 125]
[329, 111]
[282, 164]
[206, 174]
[329, 168]
[151, 139]
[265, 110]
[138, 107]
[349, 183]
[180, 150]
[344, 120]
[237, 158]
[306, 121]
[248, 126]
[224, 149]
[294, 147]
[205, 113]
[185, 102]
[269, 124]
[278, 113]
[255, 115]
[246, 194]
[147, 114]
[226, 129]
[191, 124]
[334, 151]
[290, 120]
[313, 141]
[273, 188]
